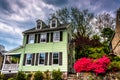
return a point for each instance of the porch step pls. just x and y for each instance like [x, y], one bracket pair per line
[71, 77]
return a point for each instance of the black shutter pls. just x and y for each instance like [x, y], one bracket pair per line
[61, 35]
[50, 59]
[38, 38]
[46, 58]
[33, 58]
[35, 41]
[52, 37]
[60, 58]
[24, 59]
[27, 38]
[47, 37]
[37, 59]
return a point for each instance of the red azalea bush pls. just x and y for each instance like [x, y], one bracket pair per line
[86, 64]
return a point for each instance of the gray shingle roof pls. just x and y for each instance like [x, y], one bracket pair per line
[61, 27]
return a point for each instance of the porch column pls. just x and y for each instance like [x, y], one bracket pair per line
[3, 63]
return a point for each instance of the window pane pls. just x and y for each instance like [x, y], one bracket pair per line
[53, 23]
[28, 59]
[56, 36]
[43, 37]
[55, 58]
[38, 25]
[55, 55]
[31, 38]
[29, 56]
[41, 61]
[55, 61]
[41, 58]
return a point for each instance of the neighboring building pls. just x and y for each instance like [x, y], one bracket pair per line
[115, 42]
[44, 48]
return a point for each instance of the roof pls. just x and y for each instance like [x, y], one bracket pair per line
[61, 27]
[15, 49]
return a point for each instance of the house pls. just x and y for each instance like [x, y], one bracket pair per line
[44, 48]
[115, 42]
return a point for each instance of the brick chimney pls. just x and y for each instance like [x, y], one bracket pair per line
[118, 21]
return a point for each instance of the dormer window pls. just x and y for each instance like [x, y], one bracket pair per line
[39, 24]
[53, 23]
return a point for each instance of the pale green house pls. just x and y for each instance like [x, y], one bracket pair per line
[45, 47]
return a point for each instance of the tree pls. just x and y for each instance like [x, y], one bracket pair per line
[105, 20]
[80, 20]
[107, 33]
[63, 15]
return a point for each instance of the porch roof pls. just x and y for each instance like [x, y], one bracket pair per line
[11, 53]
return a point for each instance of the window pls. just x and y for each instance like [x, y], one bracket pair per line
[31, 38]
[54, 23]
[41, 58]
[39, 24]
[55, 58]
[43, 37]
[56, 36]
[28, 59]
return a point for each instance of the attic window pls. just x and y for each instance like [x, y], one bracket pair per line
[39, 24]
[53, 23]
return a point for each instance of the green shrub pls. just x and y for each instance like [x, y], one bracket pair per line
[38, 75]
[114, 58]
[11, 79]
[29, 76]
[96, 55]
[1, 76]
[21, 76]
[114, 66]
[47, 75]
[57, 74]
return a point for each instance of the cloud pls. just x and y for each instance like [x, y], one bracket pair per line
[56, 2]
[32, 9]
[11, 30]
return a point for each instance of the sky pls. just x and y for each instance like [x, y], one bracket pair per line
[17, 16]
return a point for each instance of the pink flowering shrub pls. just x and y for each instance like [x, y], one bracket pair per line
[86, 64]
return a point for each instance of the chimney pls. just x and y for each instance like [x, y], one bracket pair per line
[118, 21]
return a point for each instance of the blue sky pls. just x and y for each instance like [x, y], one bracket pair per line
[17, 16]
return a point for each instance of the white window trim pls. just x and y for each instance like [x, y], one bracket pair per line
[51, 23]
[39, 58]
[52, 58]
[26, 60]
[53, 36]
[29, 38]
[45, 39]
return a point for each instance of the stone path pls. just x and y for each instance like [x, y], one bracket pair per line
[71, 77]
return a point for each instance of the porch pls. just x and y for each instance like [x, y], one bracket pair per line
[10, 63]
